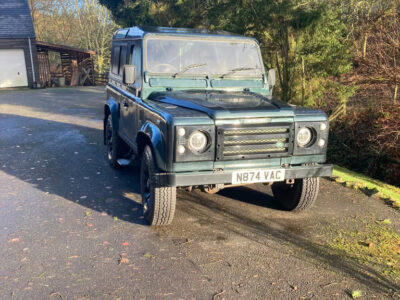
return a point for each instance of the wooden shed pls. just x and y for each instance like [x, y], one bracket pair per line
[77, 66]
[18, 58]
[24, 62]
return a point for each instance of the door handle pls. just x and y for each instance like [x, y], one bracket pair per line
[126, 104]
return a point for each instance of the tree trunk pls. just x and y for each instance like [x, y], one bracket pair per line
[303, 81]
[396, 86]
[364, 53]
[285, 60]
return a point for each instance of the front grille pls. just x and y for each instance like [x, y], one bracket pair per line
[249, 141]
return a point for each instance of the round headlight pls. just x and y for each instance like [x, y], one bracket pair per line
[198, 142]
[304, 137]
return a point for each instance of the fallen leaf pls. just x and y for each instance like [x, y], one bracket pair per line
[89, 224]
[123, 260]
[14, 240]
[356, 294]
[88, 213]
[387, 221]
[147, 255]
[104, 214]
[115, 218]
[73, 256]
[55, 294]
[125, 244]
[105, 243]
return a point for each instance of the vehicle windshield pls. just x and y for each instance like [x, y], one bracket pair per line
[215, 57]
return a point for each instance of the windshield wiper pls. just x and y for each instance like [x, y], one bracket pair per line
[189, 67]
[236, 70]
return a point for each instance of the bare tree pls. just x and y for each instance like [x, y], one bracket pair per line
[80, 23]
[96, 28]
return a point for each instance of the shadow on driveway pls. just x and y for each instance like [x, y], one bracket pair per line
[69, 161]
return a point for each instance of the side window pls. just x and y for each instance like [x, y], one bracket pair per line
[115, 60]
[122, 61]
[136, 60]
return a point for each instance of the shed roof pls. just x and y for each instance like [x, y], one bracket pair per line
[62, 48]
[15, 19]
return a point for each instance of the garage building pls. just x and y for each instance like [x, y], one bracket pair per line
[18, 54]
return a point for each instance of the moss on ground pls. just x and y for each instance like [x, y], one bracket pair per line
[368, 185]
[376, 245]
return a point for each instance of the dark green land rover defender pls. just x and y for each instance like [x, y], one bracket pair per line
[195, 109]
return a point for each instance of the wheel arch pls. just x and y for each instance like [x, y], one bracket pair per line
[110, 108]
[150, 134]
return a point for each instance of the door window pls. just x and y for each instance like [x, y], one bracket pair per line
[115, 60]
[122, 61]
[136, 60]
[118, 60]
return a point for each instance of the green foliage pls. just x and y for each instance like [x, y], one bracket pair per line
[291, 32]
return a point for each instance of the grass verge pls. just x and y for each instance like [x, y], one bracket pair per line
[375, 245]
[369, 186]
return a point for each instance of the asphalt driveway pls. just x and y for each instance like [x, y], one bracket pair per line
[70, 226]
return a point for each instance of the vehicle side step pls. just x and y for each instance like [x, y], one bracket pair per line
[127, 162]
[123, 162]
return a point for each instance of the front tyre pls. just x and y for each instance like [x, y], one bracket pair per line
[158, 200]
[115, 146]
[298, 196]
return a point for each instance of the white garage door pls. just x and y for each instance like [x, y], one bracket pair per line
[12, 68]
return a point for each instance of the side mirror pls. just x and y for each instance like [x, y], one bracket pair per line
[271, 78]
[129, 74]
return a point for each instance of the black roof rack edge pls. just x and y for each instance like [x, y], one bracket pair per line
[141, 31]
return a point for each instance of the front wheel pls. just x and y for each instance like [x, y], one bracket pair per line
[116, 148]
[298, 196]
[158, 200]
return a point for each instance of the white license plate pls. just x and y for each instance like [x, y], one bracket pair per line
[253, 176]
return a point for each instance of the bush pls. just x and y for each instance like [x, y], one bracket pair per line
[368, 141]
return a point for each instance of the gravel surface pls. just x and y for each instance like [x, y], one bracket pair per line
[70, 226]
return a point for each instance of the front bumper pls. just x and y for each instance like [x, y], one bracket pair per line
[225, 177]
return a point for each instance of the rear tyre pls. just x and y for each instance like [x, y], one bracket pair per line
[298, 196]
[158, 200]
[116, 148]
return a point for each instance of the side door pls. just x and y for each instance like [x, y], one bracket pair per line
[114, 78]
[129, 106]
